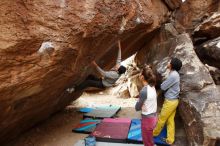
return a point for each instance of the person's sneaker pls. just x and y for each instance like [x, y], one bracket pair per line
[70, 90]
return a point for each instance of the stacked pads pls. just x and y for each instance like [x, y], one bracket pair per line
[109, 129]
[92, 117]
[82, 143]
[86, 126]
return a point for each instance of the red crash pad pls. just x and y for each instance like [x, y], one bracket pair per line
[112, 130]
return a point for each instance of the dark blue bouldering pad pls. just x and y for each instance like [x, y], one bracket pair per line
[86, 126]
[161, 137]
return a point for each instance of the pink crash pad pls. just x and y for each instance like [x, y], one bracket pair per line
[112, 130]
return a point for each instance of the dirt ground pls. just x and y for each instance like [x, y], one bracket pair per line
[57, 130]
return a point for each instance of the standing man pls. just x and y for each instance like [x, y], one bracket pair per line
[108, 77]
[171, 86]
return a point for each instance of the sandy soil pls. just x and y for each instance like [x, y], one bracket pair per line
[57, 130]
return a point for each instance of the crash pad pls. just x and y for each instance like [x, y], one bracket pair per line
[86, 126]
[102, 112]
[134, 134]
[112, 130]
[117, 120]
[85, 110]
[160, 138]
[82, 143]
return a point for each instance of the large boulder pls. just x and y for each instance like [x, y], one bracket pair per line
[209, 52]
[46, 46]
[199, 97]
[210, 28]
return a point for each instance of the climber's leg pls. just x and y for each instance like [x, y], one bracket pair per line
[89, 83]
[92, 77]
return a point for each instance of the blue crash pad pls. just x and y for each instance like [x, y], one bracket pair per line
[135, 136]
[88, 109]
[86, 126]
[159, 139]
[103, 112]
[85, 110]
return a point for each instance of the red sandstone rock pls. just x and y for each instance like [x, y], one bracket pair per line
[210, 28]
[193, 12]
[173, 4]
[46, 46]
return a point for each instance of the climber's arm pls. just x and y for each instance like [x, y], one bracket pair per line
[118, 62]
[101, 71]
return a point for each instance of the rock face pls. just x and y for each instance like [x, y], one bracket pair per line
[46, 46]
[173, 4]
[128, 85]
[193, 12]
[199, 105]
[215, 73]
[210, 28]
[209, 52]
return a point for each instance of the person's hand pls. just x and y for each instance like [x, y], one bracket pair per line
[94, 63]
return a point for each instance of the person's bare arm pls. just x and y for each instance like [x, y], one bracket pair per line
[118, 61]
[101, 71]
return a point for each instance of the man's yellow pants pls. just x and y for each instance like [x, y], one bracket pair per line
[167, 115]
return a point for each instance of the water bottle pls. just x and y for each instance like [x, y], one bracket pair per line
[90, 141]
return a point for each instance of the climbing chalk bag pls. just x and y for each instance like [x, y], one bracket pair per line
[90, 141]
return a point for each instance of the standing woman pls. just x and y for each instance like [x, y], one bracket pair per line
[147, 103]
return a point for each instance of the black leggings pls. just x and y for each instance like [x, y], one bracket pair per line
[91, 81]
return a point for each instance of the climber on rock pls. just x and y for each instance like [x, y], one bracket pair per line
[171, 86]
[108, 77]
